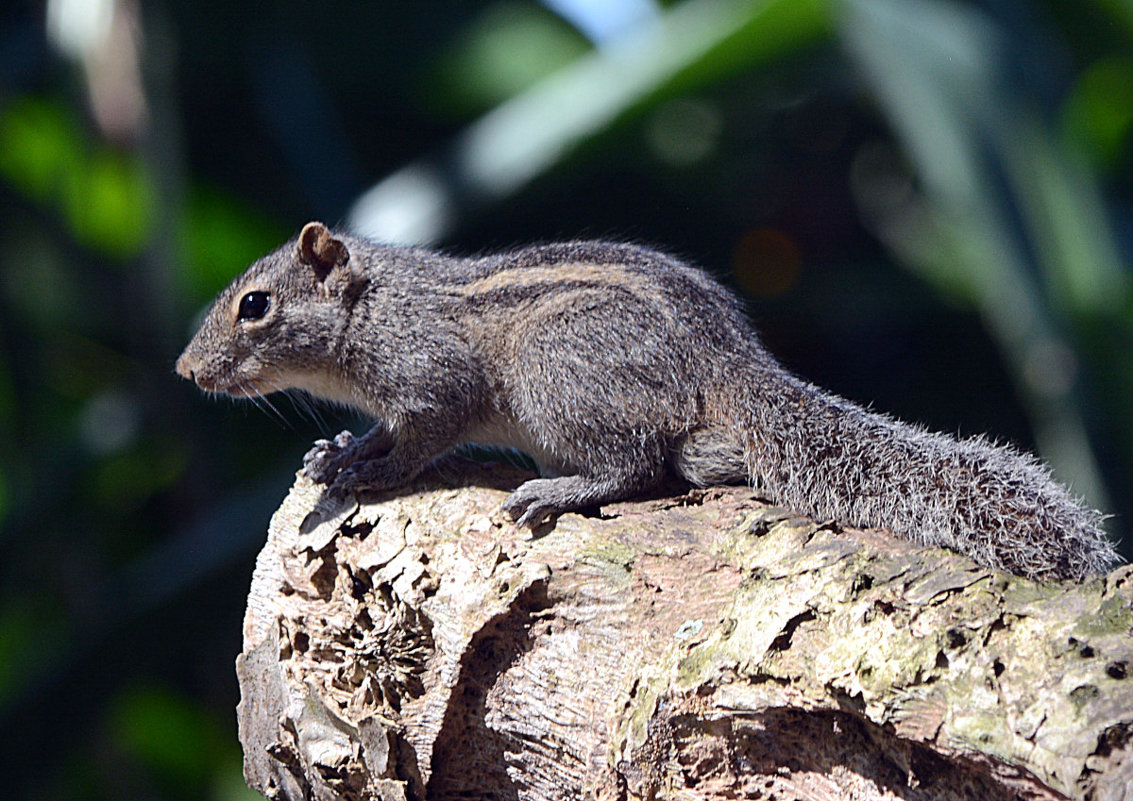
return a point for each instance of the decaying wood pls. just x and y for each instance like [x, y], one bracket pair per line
[698, 646]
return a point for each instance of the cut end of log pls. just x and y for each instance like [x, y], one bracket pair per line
[417, 645]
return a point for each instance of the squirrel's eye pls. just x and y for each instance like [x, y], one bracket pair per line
[253, 306]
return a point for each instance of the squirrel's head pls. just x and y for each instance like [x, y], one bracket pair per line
[276, 326]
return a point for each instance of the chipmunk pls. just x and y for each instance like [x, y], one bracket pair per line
[609, 364]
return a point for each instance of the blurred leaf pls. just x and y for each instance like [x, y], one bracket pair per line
[229, 783]
[104, 196]
[40, 146]
[168, 734]
[506, 49]
[220, 238]
[1099, 113]
[124, 480]
[108, 204]
[537, 128]
[999, 200]
[1121, 11]
[1065, 218]
[34, 638]
[763, 31]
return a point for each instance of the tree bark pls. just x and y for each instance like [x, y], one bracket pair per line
[705, 645]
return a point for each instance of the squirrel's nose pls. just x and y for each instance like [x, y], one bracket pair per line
[186, 367]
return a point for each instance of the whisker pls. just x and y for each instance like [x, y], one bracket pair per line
[260, 401]
[262, 398]
[306, 406]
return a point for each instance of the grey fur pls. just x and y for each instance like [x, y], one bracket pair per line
[610, 364]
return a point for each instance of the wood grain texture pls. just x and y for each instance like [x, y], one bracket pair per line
[703, 645]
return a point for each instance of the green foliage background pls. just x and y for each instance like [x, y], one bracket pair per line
[927, 204]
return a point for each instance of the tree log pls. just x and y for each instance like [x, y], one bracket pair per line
[705, 645]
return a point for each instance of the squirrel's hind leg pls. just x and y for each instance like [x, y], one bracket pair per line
[709, 456]
[534, 501]
[610, 480]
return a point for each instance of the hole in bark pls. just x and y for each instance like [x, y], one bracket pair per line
[954, 638]
[323, 578]
[1085, 650]
[1114, 738]
[782, 640]
[998, 667]
[1117, 670]
[360, 585]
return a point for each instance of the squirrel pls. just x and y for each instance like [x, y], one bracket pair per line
[610, 365]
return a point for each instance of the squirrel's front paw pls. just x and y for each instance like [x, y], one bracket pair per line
[370, 475]
[528, 505]
[328, 457]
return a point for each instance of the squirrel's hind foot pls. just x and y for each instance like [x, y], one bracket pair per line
[537, 500]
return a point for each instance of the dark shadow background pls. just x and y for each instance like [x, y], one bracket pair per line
[926, 204]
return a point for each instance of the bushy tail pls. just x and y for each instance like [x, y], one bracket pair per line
[829, 458]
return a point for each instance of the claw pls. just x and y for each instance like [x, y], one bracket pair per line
[325, 457]
[527, 509]
[529, 519]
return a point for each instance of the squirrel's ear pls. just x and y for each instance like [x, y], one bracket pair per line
[319, 250]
